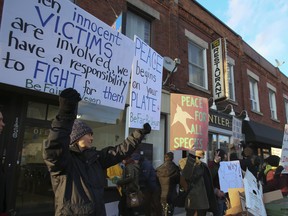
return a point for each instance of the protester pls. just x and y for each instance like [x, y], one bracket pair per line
[150, 187]
[247, 162]
[219, 155]
[169, 176]
[2, 173]
[129, 184]
[271, 183]
[282, 180]
[77, 169]
[198, 183]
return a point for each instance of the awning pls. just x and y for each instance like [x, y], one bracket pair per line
[262, 134]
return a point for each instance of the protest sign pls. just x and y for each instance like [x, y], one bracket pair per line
[146, 87]
[253, 195]
[284, 152]
[230, 175]
[48, 46]
[189, 122]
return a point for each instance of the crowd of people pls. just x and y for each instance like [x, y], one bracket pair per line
[78, 174]
[199, 180]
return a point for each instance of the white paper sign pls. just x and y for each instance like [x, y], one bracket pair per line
[230, 175]
[236, 130]
[253, 195]
[49, 46]
[284, 153]
[146, 86]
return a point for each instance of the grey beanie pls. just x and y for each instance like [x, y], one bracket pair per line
[79, 129]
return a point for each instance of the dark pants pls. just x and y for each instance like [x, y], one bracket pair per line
[152, 205]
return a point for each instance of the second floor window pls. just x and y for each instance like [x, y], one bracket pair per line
[137, 25]
[254, 98]
[272, 103]
[197, 61]
[286, 108]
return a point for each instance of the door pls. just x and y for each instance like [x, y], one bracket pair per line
[34, 194]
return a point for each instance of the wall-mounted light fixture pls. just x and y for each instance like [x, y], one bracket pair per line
[246, 115]
[171, 66]
[213, 106]
[232, 113]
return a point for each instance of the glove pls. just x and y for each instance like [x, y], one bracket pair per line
[68, 101]
[146, 128]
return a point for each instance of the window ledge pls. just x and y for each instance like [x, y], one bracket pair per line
[275, 120]
[199, 88]
[257, 112]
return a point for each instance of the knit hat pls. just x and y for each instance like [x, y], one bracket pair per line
[135, 156]
[170, 155]
[273, 160]
[79, 129]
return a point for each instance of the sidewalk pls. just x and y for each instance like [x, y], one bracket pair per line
[179, 212]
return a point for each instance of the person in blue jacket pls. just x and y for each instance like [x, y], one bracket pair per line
[77, 169]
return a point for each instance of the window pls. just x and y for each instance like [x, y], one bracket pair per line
[137, 25]
[286, 108]
[41, 111]
[217, 141]
[272, 101]
[230, 70]
[197, 59]
[253, 87]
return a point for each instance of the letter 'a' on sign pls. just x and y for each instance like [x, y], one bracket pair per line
[219, 70]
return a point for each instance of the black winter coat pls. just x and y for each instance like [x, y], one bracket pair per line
[78, 178]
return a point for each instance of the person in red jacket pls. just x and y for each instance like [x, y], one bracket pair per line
[78, 170]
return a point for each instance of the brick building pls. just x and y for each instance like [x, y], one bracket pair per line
[178, 29]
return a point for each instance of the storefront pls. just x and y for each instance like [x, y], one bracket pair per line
[220, 132]
[28, 116]
[262, 137]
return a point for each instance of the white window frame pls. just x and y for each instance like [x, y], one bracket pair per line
[149, 13]
[254, 94]
[272, 101]
[230, 70]
[286, 106]
[139, 26]
[202, 45]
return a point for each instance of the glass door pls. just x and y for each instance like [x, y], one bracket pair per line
[34, 192]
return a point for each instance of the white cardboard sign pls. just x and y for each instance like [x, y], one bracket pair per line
[48, 46]
[146, 86]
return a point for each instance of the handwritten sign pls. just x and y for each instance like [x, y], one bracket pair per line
[48, 46]
[253, 195]
[146, 86]
[236, 130]
[189, 122]
[284, 153]
[230, 175]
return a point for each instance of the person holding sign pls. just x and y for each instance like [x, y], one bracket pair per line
[197, 181]
[220, 155]
[77, 169]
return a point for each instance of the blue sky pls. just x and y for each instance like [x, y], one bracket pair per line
[263, 24]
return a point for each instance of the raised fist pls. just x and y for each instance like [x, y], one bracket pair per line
[68, 101]
[146, 128]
